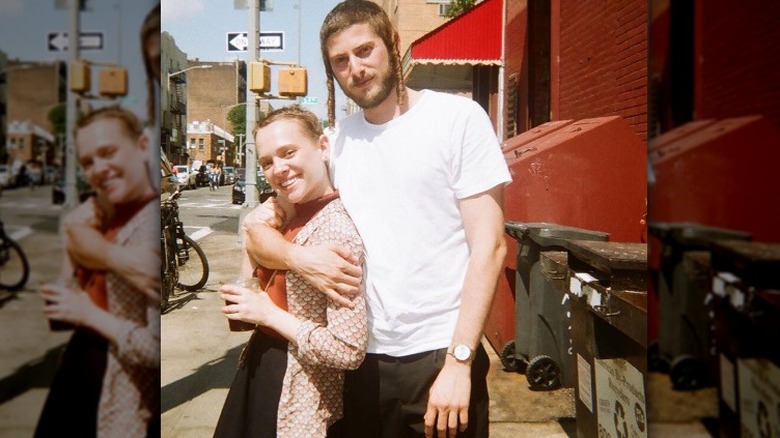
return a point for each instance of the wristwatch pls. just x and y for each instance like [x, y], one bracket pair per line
[461, 352]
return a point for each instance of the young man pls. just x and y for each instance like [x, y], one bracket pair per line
[422, 176]
[108, 381]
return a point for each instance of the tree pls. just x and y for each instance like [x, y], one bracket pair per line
[58, 118]
[458, 7]
[237, 118]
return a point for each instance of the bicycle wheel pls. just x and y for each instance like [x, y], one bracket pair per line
[193, 266]
[14, 268]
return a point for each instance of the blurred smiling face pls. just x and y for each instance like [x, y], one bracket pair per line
[113, 162]
[293, 163]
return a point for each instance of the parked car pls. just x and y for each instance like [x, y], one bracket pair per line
[83, 188]
[186, 178]
[264, 190]
[5, 176]
[228, 175]
[202, 176]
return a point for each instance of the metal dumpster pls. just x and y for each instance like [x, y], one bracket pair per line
[746, 290]
[722, 175]
[588, 174]
[541, 347]
[607, 287]
[683, 282]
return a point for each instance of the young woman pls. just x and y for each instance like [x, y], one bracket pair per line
[291, 374]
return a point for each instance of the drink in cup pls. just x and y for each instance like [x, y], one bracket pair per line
[236, 325]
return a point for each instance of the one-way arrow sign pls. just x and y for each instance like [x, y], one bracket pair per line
[58, 41]
[271, 41]
[237, 41]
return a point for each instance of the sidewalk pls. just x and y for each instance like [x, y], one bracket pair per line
[199, 359]
[29, 351]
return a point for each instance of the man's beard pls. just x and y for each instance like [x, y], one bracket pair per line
[371, 101]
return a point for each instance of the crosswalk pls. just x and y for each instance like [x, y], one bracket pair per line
[220, 205]
[28, 205]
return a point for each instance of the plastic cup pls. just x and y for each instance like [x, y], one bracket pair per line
[234, 324]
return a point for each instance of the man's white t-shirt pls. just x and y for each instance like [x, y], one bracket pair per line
[401, 182]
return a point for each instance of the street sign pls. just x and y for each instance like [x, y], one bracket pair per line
[237, 41]
[58, 41]
[84, 5]
[309, 100]
[271, 41]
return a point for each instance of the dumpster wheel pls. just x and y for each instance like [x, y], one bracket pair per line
[686, 373]
[543, 373]
[509, 359]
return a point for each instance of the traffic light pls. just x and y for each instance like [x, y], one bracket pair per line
[113, 81]
[292, 82]
[78, 77]
[259, 77]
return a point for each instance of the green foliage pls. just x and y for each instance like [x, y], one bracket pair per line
[237, 118]
[458, 7]
[58, 117]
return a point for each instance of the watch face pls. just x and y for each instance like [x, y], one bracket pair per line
[462, 352]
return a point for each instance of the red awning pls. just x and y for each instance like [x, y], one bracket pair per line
[472, 38]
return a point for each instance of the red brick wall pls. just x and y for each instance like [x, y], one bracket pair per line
[738, 68]
[603, 61]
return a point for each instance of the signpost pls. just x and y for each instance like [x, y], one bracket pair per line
[58, 41]
[270, 41]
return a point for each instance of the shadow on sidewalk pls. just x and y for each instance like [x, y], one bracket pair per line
[37, 373]
[215, 374]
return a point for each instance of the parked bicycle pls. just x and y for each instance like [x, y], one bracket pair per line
[184, 264]
[14, 268]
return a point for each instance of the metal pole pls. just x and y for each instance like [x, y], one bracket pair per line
[252, 53]
[299, 32]
[71, 195]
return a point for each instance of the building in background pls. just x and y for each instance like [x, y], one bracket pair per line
[208, 142]
[31, 91]
[173, 100]
[215, 89]
[414, 18]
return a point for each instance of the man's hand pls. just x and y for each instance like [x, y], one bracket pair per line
[269, 213]
[448, 401]
[89, 213]
[331, 269]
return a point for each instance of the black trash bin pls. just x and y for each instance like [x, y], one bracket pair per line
[608, 291]
[685, 347]
[542, 345]
[746, 291]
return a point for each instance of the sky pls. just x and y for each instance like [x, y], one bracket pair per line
[200, 27]
[25, 26]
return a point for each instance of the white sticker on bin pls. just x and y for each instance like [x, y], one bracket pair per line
[594, 296]
[576, 282]
[720, 280]
[736, 297]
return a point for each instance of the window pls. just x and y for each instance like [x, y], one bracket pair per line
[512, 104]
[444, 9]
[201, 146]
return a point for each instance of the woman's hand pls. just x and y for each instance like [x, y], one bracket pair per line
[254, 307]
[66, 304]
